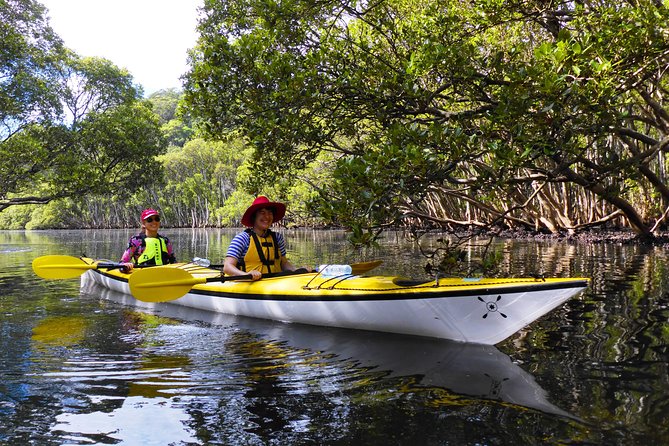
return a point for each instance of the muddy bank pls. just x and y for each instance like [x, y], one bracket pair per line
[606, 236]
[590, 236]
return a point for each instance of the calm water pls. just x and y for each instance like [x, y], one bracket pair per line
[83, 366]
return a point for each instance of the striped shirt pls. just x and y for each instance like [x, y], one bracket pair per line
[239, 245]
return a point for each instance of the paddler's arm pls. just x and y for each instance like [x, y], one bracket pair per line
[126, 258]
[230, 269]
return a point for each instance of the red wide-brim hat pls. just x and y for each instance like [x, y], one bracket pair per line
[279, 210]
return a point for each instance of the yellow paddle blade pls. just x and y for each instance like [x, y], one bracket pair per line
[363, 267]
[161, 284]
[60, 267]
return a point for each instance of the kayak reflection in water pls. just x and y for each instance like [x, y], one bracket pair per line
[258, 250]
[432, 370]
[148, 247]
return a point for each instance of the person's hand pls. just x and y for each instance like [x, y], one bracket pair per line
[127, 267]
[255, 274]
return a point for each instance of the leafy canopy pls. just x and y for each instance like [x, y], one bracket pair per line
[483, 101]
[70, 125]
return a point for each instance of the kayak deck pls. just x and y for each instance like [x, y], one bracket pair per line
[310, 284]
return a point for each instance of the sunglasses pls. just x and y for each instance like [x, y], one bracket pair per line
[152, 219]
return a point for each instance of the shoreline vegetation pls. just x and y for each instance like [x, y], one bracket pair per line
[620, 236]
[485, 116]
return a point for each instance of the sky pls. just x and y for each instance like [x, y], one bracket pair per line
[150, 38]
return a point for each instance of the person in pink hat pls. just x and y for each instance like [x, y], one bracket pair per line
[148, 247]
[258, 250]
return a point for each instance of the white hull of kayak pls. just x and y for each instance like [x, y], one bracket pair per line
[486, 315]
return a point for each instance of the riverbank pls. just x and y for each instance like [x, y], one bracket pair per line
[606, 236]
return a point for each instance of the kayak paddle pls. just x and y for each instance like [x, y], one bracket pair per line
[163, 284]
[363, 267]
[66, 267]
[168, 283]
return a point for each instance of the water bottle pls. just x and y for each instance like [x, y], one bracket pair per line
[201, 262]
[334, 270]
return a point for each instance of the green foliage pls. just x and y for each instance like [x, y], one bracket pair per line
[58, 214]
[105, 143]
[349, 89]
[230, 214]
[55, 215]
[363, 115]
[199, 179]
[301, 192]
[166, 104]
[475, 101]
[176, 132]
[31, 60]
[109, 151]
[16, 217]
[93, 85]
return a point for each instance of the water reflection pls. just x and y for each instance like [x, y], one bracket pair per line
[277, 357]
[102, 397]
[79, 368]
[138, 421]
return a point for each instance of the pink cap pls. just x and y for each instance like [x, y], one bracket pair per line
[146, 213]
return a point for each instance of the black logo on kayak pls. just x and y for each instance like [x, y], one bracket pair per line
[492, 306]
[495, 386]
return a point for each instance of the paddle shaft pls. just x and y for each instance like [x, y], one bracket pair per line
[226, 278]
[165, 284]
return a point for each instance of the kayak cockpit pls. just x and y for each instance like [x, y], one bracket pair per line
[405, 282]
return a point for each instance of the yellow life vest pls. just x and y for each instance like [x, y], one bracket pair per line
[154, 249]
[263, 253]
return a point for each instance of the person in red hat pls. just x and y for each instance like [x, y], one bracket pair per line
[258, 250]
[148, 247]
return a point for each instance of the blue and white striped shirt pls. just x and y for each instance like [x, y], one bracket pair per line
[239, 245]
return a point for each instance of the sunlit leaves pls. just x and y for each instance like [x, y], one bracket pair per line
[31, 57]
[70, 125]
[487, 93]
[199, 179]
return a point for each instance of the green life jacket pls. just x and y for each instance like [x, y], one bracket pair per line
[154, 251]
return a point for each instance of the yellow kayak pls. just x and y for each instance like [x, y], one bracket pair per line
[477, 310]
